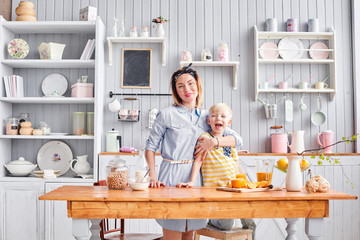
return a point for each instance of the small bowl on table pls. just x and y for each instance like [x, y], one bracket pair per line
[138, 186]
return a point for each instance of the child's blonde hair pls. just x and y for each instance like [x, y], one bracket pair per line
[220, 106]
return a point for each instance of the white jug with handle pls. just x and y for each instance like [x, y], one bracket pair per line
[297, 141]
[82, 166]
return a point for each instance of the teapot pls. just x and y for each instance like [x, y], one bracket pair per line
[82, 166]
[297, 141]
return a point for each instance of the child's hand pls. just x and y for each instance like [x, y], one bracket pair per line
[187, 185]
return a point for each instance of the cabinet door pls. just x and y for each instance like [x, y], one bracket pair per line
[58, 226]
[21, 213]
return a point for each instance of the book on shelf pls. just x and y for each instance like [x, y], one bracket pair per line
[88, 50]
[14, 86]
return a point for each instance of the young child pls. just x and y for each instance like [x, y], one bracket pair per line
[221, 163]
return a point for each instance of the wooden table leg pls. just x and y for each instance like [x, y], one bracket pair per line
[81, 229]
[95, 229]
[291, 228]
[314, 228]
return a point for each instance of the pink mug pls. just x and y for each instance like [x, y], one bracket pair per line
[283, 85]
[134, 113]
[324, 139]
[123, 113]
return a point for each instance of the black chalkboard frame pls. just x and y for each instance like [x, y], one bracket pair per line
[145, 67]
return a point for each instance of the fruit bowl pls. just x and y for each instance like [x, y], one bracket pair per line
[302, 170]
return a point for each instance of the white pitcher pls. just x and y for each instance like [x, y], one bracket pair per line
[82, 166]
[297, 141]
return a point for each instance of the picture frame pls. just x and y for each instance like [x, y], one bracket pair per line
[136, 68]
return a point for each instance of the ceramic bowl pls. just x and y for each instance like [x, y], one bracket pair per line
[138, 186]
[20, 167]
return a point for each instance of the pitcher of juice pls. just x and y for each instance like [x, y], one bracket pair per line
[264, 170]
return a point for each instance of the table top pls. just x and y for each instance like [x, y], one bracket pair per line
[173, 194]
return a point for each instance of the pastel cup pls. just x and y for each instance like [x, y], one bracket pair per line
[321, 85]
[114, 105]
[303, 85]
[264, 85]
[283, 85]
[134, 113]
[123, 113]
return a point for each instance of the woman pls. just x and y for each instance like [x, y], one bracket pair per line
[177, 128]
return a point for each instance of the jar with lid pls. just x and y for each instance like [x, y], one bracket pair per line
[90, 123]
[223, 53]
[144, 31]
[133, 31]
[206, 55]
[78, 123]
[186, 56]
[117, 174]
[24, 117]
[12, 126]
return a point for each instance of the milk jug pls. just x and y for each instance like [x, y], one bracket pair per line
[141, 167]
[297, 141]
[82, 166]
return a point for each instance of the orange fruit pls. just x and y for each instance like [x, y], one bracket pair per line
[241, 175]
[251, 185]
[264, 184]
[229, 184]
[258, 184]
[238, 182]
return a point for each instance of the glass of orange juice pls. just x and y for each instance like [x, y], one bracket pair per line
[264, 170]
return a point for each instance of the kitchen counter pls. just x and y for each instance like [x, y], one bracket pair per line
[89, 202]
[251, 154]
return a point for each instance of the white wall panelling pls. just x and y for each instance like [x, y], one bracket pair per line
[199, 24]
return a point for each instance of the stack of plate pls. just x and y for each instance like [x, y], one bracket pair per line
[40, 173]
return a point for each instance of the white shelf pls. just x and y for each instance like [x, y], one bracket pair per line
[49, 27]
[296, 90]
[38, 63]
[47, 100]
[161, 40]
[300, 61]
[235, 66]
[328, 36]
[31, 178]
[302, 35]
[70, 137]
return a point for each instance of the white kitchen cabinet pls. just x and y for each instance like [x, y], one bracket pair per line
[57, 112]
[21, 213]
[307, 38]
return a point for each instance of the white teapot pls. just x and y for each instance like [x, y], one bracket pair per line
[82, 166]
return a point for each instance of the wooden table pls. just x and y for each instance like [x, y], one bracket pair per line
[95, 202]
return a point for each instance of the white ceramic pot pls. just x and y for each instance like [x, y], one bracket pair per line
[20, 167]
[159, 32]
[53, 51]
[293, 175]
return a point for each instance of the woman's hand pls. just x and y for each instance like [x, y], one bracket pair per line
[205, 144]
[187, 185]
[154, 183]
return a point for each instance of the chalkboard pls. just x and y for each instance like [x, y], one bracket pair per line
[136, 68]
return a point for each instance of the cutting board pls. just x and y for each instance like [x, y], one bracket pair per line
[246, 190]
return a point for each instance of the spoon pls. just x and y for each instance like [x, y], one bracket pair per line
[326, 78]
[147, 172]
[289, 78]
[302, 105]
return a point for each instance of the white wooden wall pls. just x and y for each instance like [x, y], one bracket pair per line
[198, 24]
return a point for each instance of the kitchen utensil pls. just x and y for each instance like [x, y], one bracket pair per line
[54, 84]
[308, 81]
[270, 78]
[82, 166]
[318, 50]
[302, 105]
[55, 155]
[289, 78]
[297, 141]
[279, 140]
[318, 118]
[147, 172]
[114, 105]
[326, 78]
[271, 25]
[313, 25]
[266, 107]
[138, 186]
[303, 85]
[268, 50]
[113, 141]
[290, 48]
[320, 85]
[289, 110]
[325, 139]
[20, 167]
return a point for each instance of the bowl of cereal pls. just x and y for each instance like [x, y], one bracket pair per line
[138, 186]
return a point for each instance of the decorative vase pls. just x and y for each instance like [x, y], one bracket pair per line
[159, 32]
[293, 175]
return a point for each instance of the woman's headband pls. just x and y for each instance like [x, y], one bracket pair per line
[187, 70]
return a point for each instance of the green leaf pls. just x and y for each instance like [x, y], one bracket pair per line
[347, 141]
[347, 181]
[312, 156]
[320, 163]
[354, 137]
[343, 138]
[336, 161]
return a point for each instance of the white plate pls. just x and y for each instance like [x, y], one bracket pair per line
[290, 48]
[55, 155]
[54, 85]
[38, 172]
[58, 134]
[265, 53]
[318, 54]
